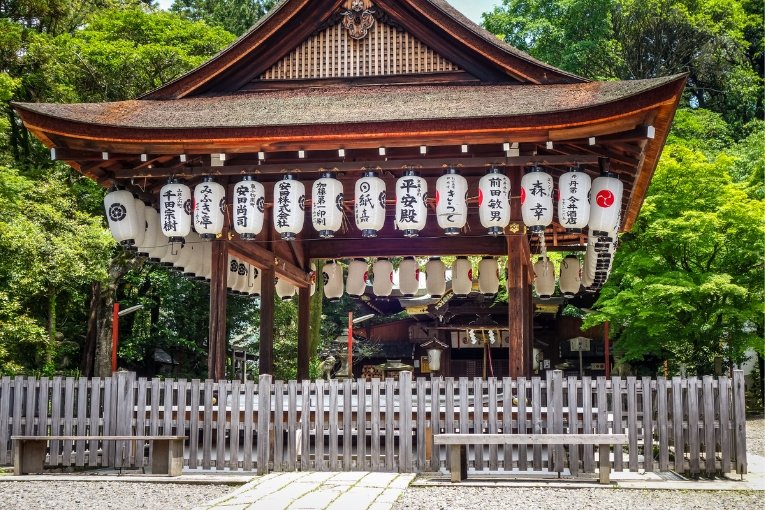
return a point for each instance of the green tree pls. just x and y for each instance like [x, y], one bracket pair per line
[235, 16]
[687, 281]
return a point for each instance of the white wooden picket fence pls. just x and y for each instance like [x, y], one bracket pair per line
[689, 425]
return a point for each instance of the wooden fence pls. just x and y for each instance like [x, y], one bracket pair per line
[689, 425]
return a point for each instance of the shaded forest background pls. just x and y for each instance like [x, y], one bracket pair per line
[687, 284]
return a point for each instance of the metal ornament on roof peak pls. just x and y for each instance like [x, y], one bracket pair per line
[358, 20]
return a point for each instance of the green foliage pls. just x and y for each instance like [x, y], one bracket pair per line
[235, 16]
[687, 281]
[717, 42]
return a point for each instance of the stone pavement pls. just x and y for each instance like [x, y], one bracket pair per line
[355, 490]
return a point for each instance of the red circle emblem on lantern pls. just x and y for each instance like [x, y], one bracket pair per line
[366, 276]
[438, 197]
[523, 195]
[604, 198]
[470, 274]
[480, 196]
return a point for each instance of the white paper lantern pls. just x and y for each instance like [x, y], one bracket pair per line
[605, 204]
[462, 276]
[570, 276]
[121, 216]
[411, 210]
[544, 278]
[289, 207]
[249, 206]
[327, 205]
[536, 200]
[332, 274]
[170, 253]
[153, 238]
[382, 271]
[232, 278]
[284, 289]
[488, 276]
[494, 201]
[192, 249]
[175, 210]
[356, 282]
[244, 279]
[436, 277]
[254, 281]
[408, 277]
[140, 221]
[573, 200]
[451, 202]
[202, 263]
[369, 204]
[209, 208]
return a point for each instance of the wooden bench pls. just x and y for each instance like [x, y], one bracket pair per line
[458, 447]
[29, 452]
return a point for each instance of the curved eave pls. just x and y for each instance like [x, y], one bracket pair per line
[433, 21]
[654, 107]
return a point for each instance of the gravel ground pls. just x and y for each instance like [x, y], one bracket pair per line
[105, 495]
[508, 498]
[755, 435]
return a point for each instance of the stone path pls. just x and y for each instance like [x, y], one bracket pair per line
[316, 491]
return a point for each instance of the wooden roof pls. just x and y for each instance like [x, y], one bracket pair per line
[298, 94]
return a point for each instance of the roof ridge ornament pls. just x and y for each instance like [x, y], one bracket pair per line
[358, 20]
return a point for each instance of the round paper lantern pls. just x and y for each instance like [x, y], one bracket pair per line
[382, 285]
[254, 281]
[140, 221]
[202, 267]
[209, 208]
[332, 274]
[284, 289]
[327, 205]
[436, 281]
[170, 254]
[121, 215]
[536, 200]
[289, 207]
[451, 202]
[408, 277]
[570, 276]
[411, 210]
[488, 276]
[544, 278]
[192, 253]
[605, 204]
[152, 238]
[462, 276]
[369, 204]
[175, 210]
[573, 200]
[185, 252]
[494, 202]
[249, 206]
[356, 282]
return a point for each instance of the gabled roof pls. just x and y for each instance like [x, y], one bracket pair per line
[435, 23]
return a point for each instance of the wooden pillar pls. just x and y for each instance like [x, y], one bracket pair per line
[304, 337]
[267, 291]
[517, 306]
[216, 340]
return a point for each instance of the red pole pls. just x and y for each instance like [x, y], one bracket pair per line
[607, 349]
[350, 345]
[115, 334]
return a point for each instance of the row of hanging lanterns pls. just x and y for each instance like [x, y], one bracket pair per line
[582, 202]
[409, 277]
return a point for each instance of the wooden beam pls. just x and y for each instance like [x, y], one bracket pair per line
[303, 340]
[267, 291]
[259, 256]
[216, 340]
[316, 167]
[517, 306]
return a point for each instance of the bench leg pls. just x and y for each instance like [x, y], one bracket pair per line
[29, 457]
[168, 457]
[604, 461]
[458, 461]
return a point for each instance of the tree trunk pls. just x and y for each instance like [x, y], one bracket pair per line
[51, 344]
[119, 265]
[315, 312]
[87, 364]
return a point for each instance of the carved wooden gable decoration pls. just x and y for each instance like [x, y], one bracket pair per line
[359, 41]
